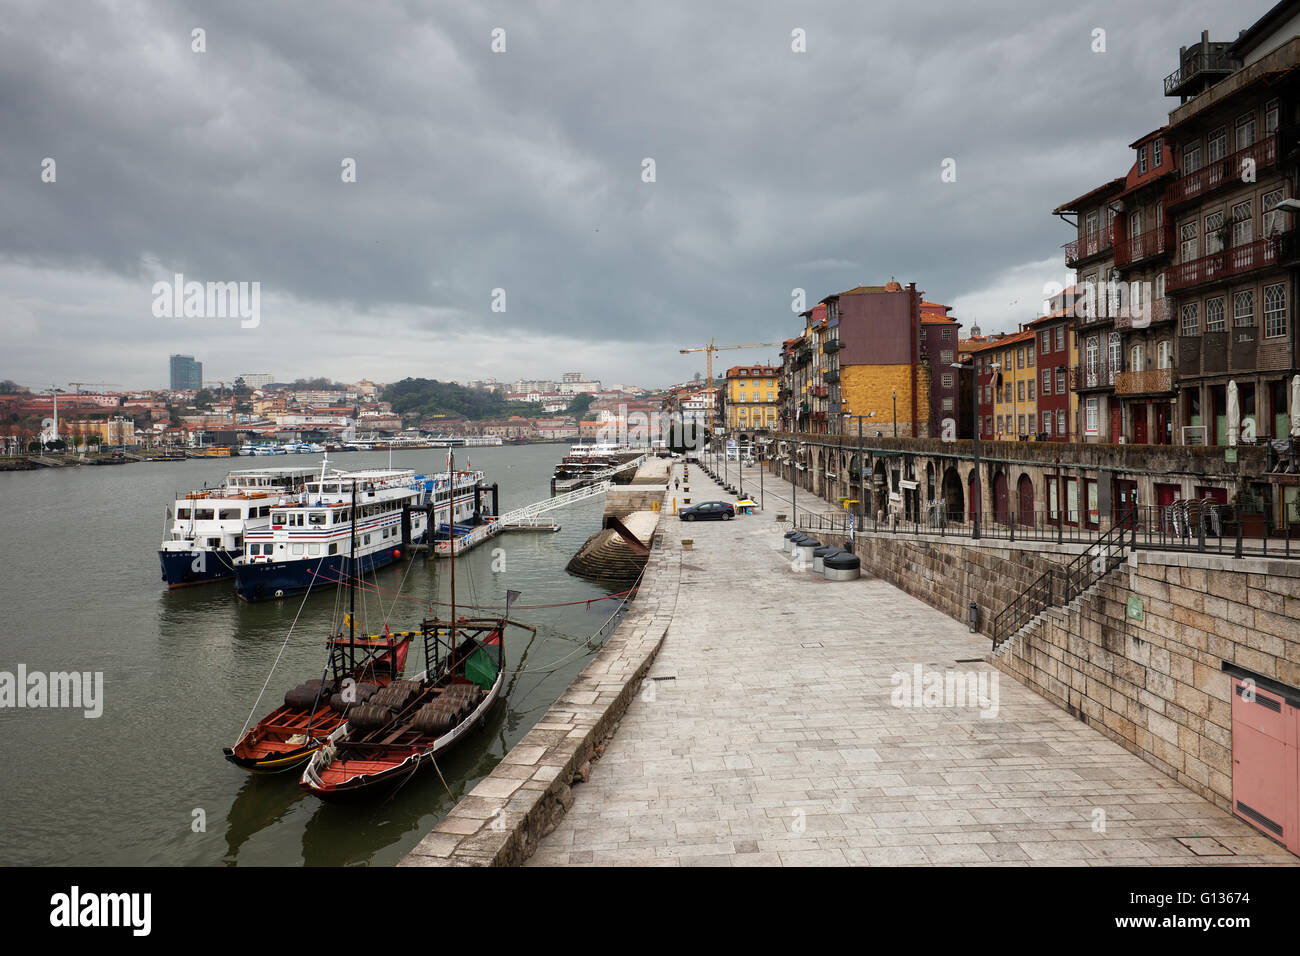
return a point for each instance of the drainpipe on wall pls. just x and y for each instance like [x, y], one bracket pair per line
[916, 344]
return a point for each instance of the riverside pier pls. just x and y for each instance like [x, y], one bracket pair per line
[748, 713]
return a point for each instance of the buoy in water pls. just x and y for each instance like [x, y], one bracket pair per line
[397, 554]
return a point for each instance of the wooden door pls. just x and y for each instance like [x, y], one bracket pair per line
[1139, 413]
[1116, 422]
[1001, 502]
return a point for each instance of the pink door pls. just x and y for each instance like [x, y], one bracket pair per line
[1265, 768]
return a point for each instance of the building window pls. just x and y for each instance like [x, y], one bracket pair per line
[1060, 422]
[1165, 354]
[1060, 381]
[1187, 251]
[1060, 338]
[1142, 159]
[1270, 117]
[1246, 131]
[1137, 358]
[1214, 315]
[1020, 357]
[1191, 158]
[1047, 381]
[1216, 145]
[1157, 152]
[1047, 342]
[1090, 416]
[1213, 233]
[1242, 224]
[1029, 356]
[1191, 319]
[1020, 390]
[947, 380]
[1270, 217]
[947, 404]
[1243, 308]
[1116, 355]
[946, 335]
[945, 356]
[1047, 423]
[1092, 355]
[1274, 310]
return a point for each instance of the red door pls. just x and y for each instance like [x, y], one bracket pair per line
[1265, 768]
[1139, 415]
[1116, 423]
[1000, 502]
[1162, 424]
[1026, 505]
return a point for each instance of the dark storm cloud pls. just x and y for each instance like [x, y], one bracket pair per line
[522, 170]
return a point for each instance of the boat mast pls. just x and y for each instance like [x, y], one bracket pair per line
[451, 540]
[352, 586]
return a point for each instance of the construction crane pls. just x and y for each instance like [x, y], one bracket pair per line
[711, 348]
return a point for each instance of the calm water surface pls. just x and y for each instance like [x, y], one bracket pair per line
[182, 669]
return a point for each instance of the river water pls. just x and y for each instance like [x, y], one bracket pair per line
[146, 783]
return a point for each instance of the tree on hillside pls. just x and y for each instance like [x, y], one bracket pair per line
[581, 402]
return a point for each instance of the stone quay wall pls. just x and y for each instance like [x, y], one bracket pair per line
[500, 821]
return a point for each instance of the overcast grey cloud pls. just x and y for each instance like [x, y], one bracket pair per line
[522, 170]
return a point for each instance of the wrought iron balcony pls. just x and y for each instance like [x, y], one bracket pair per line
[1222, 172]
[1088, 245]
[1199, 69]
[1145, 382]
[1224, 264]
[1148, 245]
[1162, 310]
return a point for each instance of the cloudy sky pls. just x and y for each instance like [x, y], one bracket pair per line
[524, 171]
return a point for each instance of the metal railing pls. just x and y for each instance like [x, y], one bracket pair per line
[1062, 585]
[1201, 525]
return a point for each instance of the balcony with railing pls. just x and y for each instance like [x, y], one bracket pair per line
[1082, 378]
[1089, 245]
[1223, 265]
[1146, 382]
[1149, 245]
[1202, 66]
[1162, 310]
[1222, 172]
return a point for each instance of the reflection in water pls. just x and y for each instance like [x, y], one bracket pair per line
[264, 799]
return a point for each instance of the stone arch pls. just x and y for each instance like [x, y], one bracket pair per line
[880, 488]
[1025, 499]
[954, 501]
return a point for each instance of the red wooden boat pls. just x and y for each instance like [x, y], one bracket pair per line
[402, 728]
[360, 668]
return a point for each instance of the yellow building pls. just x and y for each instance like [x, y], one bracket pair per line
[751, 400]
[874, 391]
[1015, 397]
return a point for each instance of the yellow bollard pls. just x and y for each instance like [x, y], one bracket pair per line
[674, 504]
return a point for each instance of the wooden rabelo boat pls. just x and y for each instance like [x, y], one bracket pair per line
[402, 728]
[360, 668]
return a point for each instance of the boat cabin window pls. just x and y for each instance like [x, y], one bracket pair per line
[183, 514]
[334, 548]
[297, 549]
[313, 549]
[203, 514]
[331, 489]
[277, 518]
[317, 518]
[214, 542]
[230, 514]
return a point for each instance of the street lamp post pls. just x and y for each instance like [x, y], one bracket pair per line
[978, 489]
[894, 392]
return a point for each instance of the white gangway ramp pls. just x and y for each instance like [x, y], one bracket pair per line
[529, 516]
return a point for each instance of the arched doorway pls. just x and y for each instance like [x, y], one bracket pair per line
[1025, 493]
[973, 503]
[952, 495]
[1001, 498]
[880, 487]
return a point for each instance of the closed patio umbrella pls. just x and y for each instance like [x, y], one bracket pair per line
[1295, 406]
[1234, 414]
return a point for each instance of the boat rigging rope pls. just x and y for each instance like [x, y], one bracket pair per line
[280, 654]
[501, 607]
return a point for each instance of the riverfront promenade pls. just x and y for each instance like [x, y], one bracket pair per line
[766, 735]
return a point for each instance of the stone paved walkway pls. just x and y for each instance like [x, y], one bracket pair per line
[770, 738]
